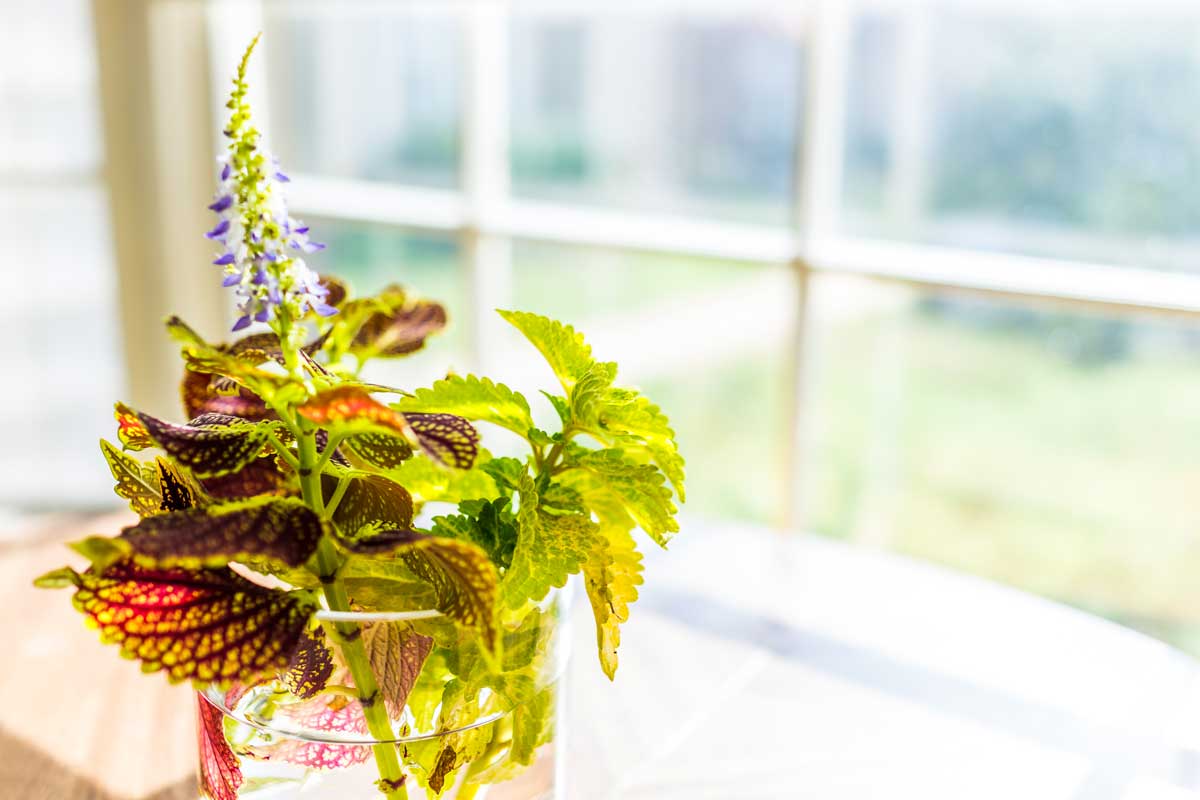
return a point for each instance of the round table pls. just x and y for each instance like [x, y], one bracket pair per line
[756, 664]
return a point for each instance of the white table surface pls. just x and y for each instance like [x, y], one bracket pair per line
[755, 665]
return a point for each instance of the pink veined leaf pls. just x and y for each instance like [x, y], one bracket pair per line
[220, 774]
[325, 715]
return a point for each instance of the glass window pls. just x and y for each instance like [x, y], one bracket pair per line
[373, 94]
[704, 339]
[657, 112]
[1050, 450]
[1050, 133]
[58, 318]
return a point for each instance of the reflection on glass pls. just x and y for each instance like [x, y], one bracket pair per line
[1049, 134]
[704, 339]
[1052, 451]
[369, 257]
[681, 114]
[372, 94]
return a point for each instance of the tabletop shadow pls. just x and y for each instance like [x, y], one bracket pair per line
[29, 773]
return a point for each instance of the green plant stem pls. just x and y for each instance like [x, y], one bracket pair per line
[349, 634]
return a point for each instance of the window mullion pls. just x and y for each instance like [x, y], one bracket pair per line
[486, 177]
[817, 181]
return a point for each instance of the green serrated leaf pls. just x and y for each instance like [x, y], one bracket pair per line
[476, 399]
[533, 725]
[549, 549]
[101, 551]
[628, 419]
[589, 394]
[638, 487]
[561, 345]
[487, 523]
[428, 481]
[137, 481]
[611, 576]
[506, 472]
[561, 406]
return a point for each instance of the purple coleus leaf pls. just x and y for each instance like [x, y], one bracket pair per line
[282, 530]
[207, 450]
[400, 331]
[446, 438]
[311, 665]
[379, 450]
[371, 502]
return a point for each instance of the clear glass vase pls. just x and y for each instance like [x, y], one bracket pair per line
[488, 733]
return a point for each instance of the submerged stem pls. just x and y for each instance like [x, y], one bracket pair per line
[349, 634]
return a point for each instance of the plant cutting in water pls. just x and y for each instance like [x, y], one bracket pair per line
[284, 509]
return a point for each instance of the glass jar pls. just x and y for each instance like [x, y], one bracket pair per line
[470, 726]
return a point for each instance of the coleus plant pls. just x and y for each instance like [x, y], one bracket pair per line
[293, 488]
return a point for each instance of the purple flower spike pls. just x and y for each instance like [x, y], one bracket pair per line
[232, 280]
[312, 247]
[228, 258]
[324, 309]
[244, 322]
[263, 314]
[226, 171]
[302, 229]
[279, 176]
[223, 202]
[219, 231]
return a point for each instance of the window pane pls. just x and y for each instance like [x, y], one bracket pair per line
[1053, 134]
[722, 384]
[48, 88]
[59, 327]
[370, 257]
[1053, 451]
[677, 113]
[370, 94]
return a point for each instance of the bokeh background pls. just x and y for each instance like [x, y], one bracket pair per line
[920, 276]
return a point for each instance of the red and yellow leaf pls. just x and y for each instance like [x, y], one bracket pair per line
[220, 774]
[204, 625]
[131, 431]
[449, 439]
[350, 404]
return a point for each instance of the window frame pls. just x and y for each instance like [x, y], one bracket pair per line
[485, 217]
